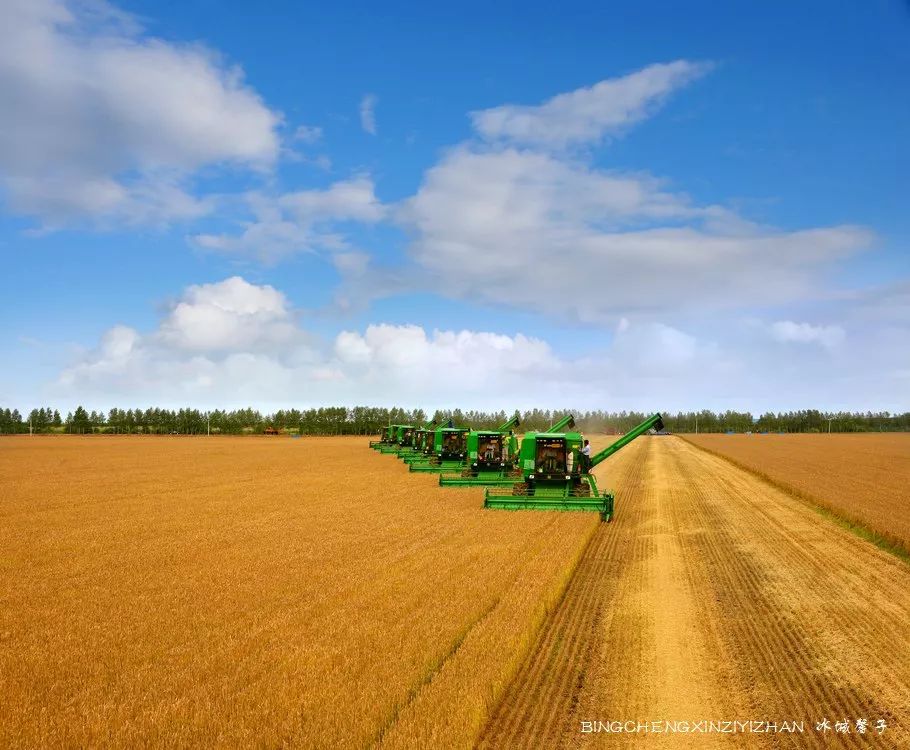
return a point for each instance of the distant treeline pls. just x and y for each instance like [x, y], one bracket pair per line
[365, 420]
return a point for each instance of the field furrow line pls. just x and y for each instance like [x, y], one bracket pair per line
[779, 658]
[863, 636]
[536, 706]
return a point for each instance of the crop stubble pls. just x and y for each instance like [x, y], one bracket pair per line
[714, 595]
[862, 478]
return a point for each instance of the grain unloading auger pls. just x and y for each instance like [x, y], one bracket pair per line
[492, 459]
[556, 476]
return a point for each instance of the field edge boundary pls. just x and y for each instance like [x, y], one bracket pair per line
[536, 636]
[853, 524]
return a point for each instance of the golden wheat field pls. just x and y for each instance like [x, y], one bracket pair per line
[863, 478]
[258, 592]
[271, 592]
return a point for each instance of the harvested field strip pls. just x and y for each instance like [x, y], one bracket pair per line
[552, 676]
[721, 597]
[781, 665]
[861, 481]
[837, 514]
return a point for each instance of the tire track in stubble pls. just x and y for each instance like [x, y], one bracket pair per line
[735, 583]
[776, 657]
[545, 690]
[887, 629]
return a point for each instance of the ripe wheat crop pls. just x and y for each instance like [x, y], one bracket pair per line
[258, 592]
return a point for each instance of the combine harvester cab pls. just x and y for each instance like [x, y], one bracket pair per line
[424, 446]
[400, 433]
[417, 444]
[554, 474]
[450, 447]
[490, 460]
[407, 440]
[386, 437]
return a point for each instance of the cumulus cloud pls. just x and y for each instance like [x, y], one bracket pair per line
[102, 122]
[805, 333]
[229, 315]
[301, 221]
[234, 343]
[588, 114]
[368, 113]
[508, 219]
[513, 226]
[402, 348]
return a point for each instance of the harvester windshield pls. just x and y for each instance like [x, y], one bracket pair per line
[489, 449]
[453, 443]
[550, 457]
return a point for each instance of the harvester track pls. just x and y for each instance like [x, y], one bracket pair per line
[713, 595]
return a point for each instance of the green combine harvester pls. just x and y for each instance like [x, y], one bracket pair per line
[492, 459]
[397, 436]
[556, 476]
[416, 443]
[424, 444]
[385, 437]
[450, 448]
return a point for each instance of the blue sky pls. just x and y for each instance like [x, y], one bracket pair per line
[609, 205]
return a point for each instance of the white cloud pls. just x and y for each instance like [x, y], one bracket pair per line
[233, 343]
[308, 133]
[514, 226]
[352, 199]
[588, 114]
[405, 348]
[368, 113]
[805, 333]
[102, 122]
[302, 221]
[229, 315]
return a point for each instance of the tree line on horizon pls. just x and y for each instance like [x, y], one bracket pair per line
[367, 420]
